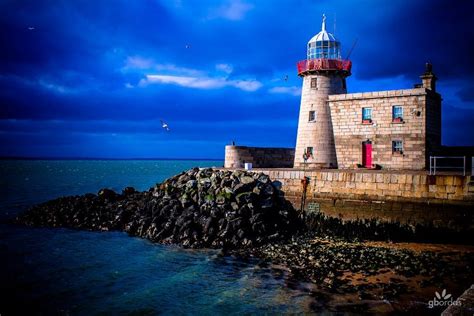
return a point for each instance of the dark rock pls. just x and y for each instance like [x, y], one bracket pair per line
[256, 218]
[263, 178]
[191, 184]
[277, 185]
[257, 189]
[268, 190]
[247, 180]
[107, 194]
[244, 198]
[209, 222]
[129, 191]
[267, 203]
[226, 182]
[242, 188]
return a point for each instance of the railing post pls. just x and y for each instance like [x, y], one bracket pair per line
[430, 164]
[434, 162]
[464, 166]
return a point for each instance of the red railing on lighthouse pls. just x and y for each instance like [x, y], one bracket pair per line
[323, 64]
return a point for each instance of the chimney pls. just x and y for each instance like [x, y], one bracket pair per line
[428, 79]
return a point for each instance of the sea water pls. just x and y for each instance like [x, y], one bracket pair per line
[62, 271]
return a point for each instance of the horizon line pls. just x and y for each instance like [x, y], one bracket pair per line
[101, 158]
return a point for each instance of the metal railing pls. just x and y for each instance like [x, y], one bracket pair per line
[437, 165]
[323, 64]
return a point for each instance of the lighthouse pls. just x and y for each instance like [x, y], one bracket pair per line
[324, 73]
[393, 130]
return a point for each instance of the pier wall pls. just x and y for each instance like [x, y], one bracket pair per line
[260, 157]
[405, 197]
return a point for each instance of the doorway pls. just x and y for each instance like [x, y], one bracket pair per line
[367, 154]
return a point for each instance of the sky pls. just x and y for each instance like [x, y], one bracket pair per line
[95, 78]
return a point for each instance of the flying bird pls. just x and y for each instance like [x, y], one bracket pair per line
[165, 125]
[31, 28]
[187, 46]
[286, 78]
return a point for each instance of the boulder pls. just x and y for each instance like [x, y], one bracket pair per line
[247, 180]
[129, 191]
[107, 194]
[191, 184]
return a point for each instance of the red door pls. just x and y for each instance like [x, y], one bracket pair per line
[367, 154]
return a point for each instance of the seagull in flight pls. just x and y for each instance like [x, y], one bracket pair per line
[31, 28]
[165, 125]
[286, 78]
[187, 46]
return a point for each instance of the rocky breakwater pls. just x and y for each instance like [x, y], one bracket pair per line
[200, 208]
[247, 214]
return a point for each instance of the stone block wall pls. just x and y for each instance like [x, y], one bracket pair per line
[376, 185]
[419, 111]
[260, 157]
[410, 197]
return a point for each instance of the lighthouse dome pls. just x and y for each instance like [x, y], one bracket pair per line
[324, 45]
[322, 36]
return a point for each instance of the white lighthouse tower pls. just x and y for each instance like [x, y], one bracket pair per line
[324, 73]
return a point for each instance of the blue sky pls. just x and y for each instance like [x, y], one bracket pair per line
[94, 78]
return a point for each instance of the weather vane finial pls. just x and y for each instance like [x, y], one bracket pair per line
[323, 26]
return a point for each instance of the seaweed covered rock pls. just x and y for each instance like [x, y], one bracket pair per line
[198, 208]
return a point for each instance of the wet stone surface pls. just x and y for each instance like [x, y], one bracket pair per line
[359, 276]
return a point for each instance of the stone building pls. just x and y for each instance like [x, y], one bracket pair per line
[396, 129]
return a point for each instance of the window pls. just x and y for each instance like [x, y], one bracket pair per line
[308, 153]
[366, 115]
[397, 113]
[312, 116]
[314, 83]
[324, 49]
[397, 146]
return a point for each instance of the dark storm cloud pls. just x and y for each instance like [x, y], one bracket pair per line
[80, 68]
[457, 126]
[466, 93]
[413, 32]
[77, 35]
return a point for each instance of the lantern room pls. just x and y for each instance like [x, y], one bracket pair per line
[324, 54]
[324, 45]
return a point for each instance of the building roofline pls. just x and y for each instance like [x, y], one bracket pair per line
[381, 94]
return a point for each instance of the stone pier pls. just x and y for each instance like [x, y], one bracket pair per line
[411, 197]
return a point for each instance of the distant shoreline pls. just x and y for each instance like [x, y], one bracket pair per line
[97, 158]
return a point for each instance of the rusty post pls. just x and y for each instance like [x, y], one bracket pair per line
[304, 184]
